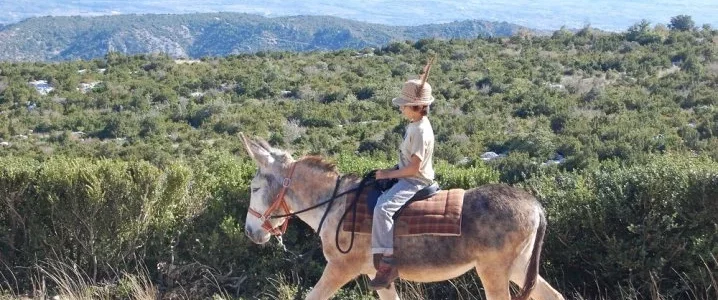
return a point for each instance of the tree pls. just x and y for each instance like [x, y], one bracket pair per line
[682, 23]
[642, 33]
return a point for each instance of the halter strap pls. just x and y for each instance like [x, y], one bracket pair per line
[278, 203]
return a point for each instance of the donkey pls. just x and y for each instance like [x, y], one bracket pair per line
[501, 234]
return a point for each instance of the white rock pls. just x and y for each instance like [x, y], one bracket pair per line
[487, 156]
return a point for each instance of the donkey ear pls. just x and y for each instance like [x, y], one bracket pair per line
[245, 142]
[259, 151]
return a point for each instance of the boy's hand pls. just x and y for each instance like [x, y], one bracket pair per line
[380, 174]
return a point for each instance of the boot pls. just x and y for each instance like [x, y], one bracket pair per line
[386, 273]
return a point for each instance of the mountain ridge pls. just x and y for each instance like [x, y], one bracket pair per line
[607, 15]
[57, 38]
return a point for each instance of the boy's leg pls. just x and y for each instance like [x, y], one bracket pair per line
[382, 239]
[383, 231]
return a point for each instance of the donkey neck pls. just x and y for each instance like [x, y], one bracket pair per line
[309, 191]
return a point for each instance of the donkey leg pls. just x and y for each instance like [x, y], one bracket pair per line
[334, 277]
[545, 291]
[542, 291]
[495, 279]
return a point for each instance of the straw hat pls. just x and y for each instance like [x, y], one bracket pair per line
[416, 92]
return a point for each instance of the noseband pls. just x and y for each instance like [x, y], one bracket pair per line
[279, 203]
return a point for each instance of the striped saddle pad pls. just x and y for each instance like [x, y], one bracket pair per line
[438, 215]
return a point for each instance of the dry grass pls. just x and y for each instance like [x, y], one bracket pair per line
[59, 280]
[281, 289]
[65, 281]
[71, 283]
[139, 287]
[469, 288]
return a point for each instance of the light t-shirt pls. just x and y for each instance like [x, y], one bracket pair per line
[419, 141]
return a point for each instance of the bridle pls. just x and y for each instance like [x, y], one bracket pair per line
[279, 203]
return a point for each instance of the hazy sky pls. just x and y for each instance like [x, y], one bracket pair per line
[540, 14]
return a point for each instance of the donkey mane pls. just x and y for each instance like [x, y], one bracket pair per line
[319, 163]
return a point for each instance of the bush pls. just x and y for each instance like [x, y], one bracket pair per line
[100, 214]
[649, 227]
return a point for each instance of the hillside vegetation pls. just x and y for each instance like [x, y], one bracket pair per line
[215, 34]
[134, 161]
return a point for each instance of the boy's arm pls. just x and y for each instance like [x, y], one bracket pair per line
[410, 170]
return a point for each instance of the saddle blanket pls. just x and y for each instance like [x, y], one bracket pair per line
[438, 215]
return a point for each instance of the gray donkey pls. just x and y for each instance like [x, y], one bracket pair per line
[501, 234]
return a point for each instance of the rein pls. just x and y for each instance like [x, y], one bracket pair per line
[353, 206]
[334, 197]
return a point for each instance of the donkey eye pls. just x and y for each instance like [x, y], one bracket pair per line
[255, 189]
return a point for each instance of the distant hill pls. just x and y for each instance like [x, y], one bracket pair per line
[213, 34]
[610, 15]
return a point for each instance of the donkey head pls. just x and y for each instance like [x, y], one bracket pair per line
[266, 185]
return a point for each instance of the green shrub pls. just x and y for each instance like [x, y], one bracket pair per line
[650, 227]
[100, 214]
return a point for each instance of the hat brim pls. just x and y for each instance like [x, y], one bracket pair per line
[398, 101]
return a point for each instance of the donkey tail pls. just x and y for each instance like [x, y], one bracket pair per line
[533, 268]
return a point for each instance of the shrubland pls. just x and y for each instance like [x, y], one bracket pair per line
[143, 174]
